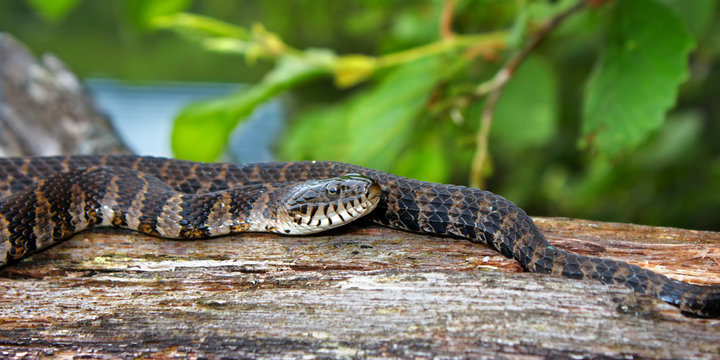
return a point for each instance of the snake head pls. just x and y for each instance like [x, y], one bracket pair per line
[319, 205]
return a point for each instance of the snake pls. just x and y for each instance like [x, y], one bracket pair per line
[45, 200]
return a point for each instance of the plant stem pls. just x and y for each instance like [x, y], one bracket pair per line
[497, 84]
[446, 19]
[494, 40]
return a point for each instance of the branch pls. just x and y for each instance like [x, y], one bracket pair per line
[491, 40]
[446, 19]
[497, 84]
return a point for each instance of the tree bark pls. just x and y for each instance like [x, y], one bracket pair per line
[357, 292]
[45, 110]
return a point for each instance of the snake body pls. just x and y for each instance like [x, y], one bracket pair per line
[182, 199]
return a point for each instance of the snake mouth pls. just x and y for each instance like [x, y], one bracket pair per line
[373, 194]
[369, 201]
[330, 203]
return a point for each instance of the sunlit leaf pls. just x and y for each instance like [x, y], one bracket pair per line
[380, 122]
[200, 25]
[143, 12]
[227, 45]
[636, 80]
[202, 129]
[352, 69]
[53, 10]
[370, 128]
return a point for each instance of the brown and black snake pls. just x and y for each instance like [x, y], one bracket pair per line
[45, 200]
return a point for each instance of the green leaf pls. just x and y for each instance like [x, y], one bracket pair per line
[371, 128]
[317, 134]
[143, 12]
[53, 10]
[636, 80]
[380, 122]
[518, 30]
[696, 14]
[526, 113]
[199, 25]
[426, 160]
[202, 129]
[349, 70]
[674, 144]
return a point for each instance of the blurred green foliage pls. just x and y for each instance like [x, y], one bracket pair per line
[613, 117]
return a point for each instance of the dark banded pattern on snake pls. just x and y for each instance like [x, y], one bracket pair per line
[407, 204]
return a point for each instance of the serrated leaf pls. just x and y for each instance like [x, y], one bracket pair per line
[201, 130]
[380, 121]
[526, 113]
[54, 10]
[636, 81]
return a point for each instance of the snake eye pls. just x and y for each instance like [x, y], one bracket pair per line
[333, 189]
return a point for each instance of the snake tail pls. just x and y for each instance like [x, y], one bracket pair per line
[481, 216]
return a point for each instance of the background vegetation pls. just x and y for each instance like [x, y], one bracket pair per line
[605, 111]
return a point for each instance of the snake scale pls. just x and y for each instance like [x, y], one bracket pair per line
[45, 200]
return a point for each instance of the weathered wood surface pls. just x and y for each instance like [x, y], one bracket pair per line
[45, 110]
[362, 292]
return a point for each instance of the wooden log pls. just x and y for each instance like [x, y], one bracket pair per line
[357, 292]
[45, 109]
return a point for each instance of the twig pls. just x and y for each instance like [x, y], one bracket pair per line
[490, 40]
[497, 84]
[446, 19]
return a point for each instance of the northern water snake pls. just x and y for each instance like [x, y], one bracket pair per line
[181, 199]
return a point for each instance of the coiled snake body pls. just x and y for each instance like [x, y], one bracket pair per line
[45, 200]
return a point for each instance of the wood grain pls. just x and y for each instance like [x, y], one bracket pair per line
[358, 292]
